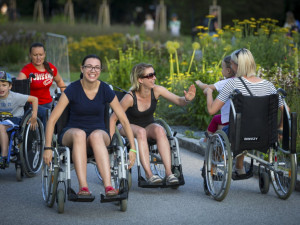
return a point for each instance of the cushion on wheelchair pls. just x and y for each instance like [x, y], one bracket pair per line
[258, 126]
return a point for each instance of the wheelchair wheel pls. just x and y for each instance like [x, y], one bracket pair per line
[19, 173]
[31, 150]
[50, 181]
[283, 178]
[264, 182]
[60, 201]
[218, 165]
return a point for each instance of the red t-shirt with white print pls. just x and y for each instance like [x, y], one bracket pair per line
[40, 85]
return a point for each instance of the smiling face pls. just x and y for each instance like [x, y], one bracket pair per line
[37, 55]
[4, 89]
[91, 69]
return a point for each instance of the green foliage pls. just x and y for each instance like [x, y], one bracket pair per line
[12, 54]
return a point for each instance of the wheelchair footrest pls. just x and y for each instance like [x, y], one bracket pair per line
[119, 197]
[72, 196]
[235, 176]
[144, 184]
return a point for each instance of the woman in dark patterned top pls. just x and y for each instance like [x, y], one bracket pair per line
[243, 64]
[140, 106]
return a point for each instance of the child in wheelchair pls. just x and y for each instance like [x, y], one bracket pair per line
[11, 111]
[243, 65]
[222, 119]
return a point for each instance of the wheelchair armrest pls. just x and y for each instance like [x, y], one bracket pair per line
[281, 92]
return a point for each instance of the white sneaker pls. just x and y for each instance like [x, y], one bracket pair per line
[240, 171]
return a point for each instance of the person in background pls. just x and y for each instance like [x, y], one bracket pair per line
[291, 23]
[44, 73]
[149, 23]
[174, 26]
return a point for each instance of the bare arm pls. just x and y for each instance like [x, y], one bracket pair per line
[56, 113]
[120, 113]
[181, 101]
[35, 103]
[60, 82]
[213, 106]
[21, 76]
[203, 85]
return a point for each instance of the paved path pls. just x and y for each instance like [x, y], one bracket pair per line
[22, 203]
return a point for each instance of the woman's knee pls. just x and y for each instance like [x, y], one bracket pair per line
[159, 132]
[98, 137]
[141, 134]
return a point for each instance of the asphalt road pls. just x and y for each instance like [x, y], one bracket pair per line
[22, 203]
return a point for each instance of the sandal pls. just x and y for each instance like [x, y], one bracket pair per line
[84, 191]
[155, 179]
[110, 191]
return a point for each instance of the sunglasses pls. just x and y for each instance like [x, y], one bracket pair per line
[238, 52]
[149, 75]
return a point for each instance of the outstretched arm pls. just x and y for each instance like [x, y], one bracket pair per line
[203, 85]
[181, 101]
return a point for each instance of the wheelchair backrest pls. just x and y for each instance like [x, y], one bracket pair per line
[254, 127]
[22, 87]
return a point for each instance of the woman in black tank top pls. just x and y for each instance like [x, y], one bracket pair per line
[140, 106]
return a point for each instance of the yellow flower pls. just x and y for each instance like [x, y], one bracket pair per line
[210, 16]
[195, 45]
[252, 19]
[176, 44]
[184, 63]
[275, 40]
[238, 30]
[169, 44]
[235, 20]
[170, 106]
[268, 19]
[205, 28]
[291, 45]
[200, 27]
[252, 26]
[215, 36]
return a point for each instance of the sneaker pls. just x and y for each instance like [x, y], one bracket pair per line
[155, 179]
[239, 171]
[172, 179]
[3, 162]
[203, 143]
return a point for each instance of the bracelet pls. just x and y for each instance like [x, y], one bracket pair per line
[132, 150]
[48, 148]
[186, 100]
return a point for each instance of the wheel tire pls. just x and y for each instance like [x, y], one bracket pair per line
[31, 151]
[123, 205]
[60, 201]
[19, 173]
[264, 183]
[283, 180]
[218, 189]
[50, 182]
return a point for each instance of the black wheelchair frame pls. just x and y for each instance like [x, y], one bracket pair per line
[25, 145]
[279, 155]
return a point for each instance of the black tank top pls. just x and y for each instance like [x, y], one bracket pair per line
[144, 118]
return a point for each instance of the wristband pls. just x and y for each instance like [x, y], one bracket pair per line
[132, 150]
[48, 148]
[186, 100]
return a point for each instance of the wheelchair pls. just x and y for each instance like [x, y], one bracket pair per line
[56, 178]
[156, 163]
[253, 133]
[25, 145]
